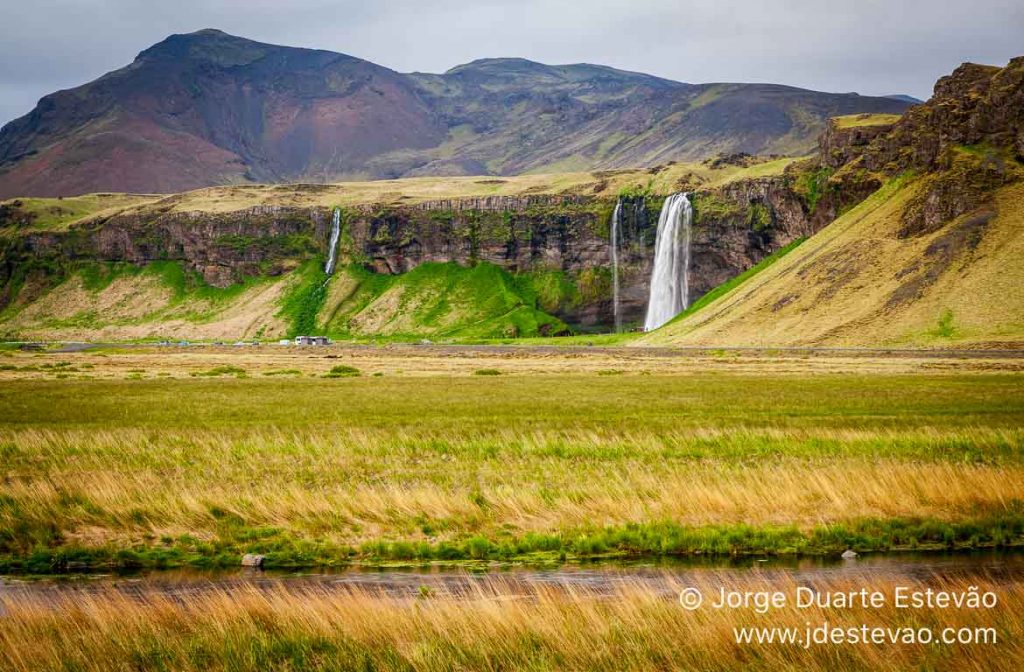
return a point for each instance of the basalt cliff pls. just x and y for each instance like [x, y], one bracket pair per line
[562, 237]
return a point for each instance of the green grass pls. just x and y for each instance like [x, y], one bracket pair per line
[811, 185]
[302, 304]
[343, 371]
[223, 370]
[946, 327]
[447, 300]
[511, 467]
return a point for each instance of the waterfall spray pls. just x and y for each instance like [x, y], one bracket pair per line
[333, 244]
[670, 285]
[616, 223]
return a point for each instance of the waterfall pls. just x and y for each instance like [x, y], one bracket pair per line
[670, 285]
[640, 219]
[616, 223]
[333, 244]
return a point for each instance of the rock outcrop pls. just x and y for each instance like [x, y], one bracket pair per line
[977, 106]
[841, 143]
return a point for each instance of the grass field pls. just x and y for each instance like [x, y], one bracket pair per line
[154, 457]
[493, 628]
[474, 458]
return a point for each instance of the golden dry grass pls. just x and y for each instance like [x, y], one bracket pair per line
[496, 626]
[353, 487]
[149, 361]
[854, 120]
[59, 213]
[409, 191]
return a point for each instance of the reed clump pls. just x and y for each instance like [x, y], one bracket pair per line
[496, 625]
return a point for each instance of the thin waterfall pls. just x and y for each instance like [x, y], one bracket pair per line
[333, 244]
[670, 283]
[640, 220]
[616, 224]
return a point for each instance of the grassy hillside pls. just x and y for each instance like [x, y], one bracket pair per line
[103, 301]
[434, 299]
[866, 280]
[123, 302]
[58, 213]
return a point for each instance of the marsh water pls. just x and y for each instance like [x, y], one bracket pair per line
[596, 578]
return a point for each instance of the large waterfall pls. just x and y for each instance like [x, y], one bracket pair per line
[616, 224]
[333, 244]
[670, 285]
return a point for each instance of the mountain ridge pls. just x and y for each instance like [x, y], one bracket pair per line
[208, 108]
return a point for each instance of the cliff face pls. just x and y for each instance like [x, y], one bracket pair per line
[975, 105]
[734, 228]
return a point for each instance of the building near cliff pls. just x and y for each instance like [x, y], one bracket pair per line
[312, 340]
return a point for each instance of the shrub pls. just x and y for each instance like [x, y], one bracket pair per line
[343, 371]
[225, 370]
[946, 328]
[487, 372]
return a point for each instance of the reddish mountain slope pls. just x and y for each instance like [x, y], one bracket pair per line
[208, 108]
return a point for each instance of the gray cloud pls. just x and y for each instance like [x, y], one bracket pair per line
[869, 46]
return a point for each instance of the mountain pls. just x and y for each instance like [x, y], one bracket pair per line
[905, 98]
[930, 259]
[208, 108]
[900, 231]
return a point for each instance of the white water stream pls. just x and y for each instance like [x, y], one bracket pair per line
[670, 286]
[616, 224]
[333, 244]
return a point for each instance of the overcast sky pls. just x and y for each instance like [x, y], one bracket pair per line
[868, 46]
